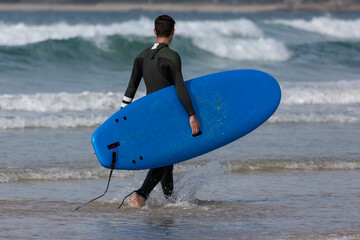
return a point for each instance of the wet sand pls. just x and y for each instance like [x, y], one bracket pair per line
[182, 7]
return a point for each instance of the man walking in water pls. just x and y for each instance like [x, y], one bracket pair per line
[160, 67]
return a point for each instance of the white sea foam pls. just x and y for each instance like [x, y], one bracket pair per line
[52, 121]
[299, 93]
[239, 39]
[188, 184]
[59, 174]
[213, 28]
[302, 102]
[336, 92]
[58, 110]
[22, 33]
[346, 29]
[264, 49]
[69, 120]
[314, 117]
[319, 102]
[63, 101]
[286, 165]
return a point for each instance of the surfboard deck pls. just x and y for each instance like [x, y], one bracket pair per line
[154, 130]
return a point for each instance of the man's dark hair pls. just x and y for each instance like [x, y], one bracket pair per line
[164, 25]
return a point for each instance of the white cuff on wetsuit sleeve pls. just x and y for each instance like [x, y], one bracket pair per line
[126, 100]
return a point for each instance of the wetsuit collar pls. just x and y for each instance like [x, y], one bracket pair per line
[156, 47]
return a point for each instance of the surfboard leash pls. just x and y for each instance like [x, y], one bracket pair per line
[108, 183]
[126, 198]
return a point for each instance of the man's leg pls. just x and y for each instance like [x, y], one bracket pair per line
[154, 176]
[167, 181]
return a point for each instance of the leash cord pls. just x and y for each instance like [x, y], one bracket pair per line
[108, 183]
[107, 187]
[126, 198]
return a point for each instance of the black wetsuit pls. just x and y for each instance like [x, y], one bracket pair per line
[160, 67]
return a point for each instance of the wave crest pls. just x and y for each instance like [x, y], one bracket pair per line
[238, 39]
[22, 34]
[265, 49]
[346, 29]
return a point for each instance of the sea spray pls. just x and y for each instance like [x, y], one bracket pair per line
[188, 183]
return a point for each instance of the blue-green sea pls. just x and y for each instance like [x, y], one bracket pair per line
[295, 177]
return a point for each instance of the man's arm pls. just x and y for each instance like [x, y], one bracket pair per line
[184, 96]
[180, 87]
[134, 82]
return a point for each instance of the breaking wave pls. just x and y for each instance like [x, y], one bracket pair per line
[339, 28]
[239, 39]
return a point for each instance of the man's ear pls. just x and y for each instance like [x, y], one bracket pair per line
[155, 31]
[173, 31]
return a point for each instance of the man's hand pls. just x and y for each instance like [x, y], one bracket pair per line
[194, 124]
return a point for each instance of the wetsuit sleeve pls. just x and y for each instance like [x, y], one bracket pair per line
[134, 82]
[180, 87]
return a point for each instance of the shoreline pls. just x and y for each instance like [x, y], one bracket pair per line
[122, 7]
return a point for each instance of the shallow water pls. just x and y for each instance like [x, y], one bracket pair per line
[255, 205]
[295, 177]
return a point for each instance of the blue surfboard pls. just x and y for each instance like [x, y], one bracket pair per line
[154, 130]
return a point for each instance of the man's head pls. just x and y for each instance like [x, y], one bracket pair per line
[164, 26]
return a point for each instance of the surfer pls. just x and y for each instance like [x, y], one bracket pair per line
[160, 67]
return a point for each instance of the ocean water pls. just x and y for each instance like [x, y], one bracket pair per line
[295, 177]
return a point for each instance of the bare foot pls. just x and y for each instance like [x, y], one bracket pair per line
[138, 201]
